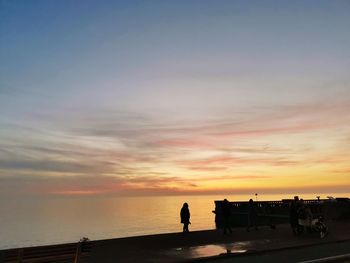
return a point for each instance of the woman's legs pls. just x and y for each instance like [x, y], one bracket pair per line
[185, 229]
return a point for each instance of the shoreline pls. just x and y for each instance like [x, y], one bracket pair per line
[76, 219]
[205, 244]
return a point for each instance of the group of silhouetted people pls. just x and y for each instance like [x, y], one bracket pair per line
[226, 216]
[299, 215]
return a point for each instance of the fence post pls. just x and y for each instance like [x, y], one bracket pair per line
[20, 255]
[78, 252]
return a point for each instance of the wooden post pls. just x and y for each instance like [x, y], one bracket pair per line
[20, 255]
[78, 252]
[2, 256]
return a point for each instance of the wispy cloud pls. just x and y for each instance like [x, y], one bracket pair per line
[110, 152]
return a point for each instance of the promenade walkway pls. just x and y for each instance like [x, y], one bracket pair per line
[213, 246]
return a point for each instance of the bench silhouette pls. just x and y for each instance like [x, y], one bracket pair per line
[64, 253]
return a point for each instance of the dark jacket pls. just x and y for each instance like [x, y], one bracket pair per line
[226, 209]
[185, 215]
[252, 209]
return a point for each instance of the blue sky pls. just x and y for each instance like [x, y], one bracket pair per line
[118, 91]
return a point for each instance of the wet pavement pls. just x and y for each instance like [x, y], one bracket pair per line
[208, 250]
[336, 252]
[217, 249]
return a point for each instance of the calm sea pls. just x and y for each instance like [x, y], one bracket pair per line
[32, 222]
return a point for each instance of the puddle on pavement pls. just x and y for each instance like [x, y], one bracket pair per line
[218, 249]
[213, 250]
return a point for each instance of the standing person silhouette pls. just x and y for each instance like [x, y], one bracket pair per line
[252, 216]
[293, 215]
[185, 217]
[226, 216]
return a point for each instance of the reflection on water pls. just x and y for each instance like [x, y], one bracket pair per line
[212, 250]
[218, 249]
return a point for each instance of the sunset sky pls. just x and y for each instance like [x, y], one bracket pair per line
[174, 97]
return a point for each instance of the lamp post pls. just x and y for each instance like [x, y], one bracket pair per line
[256, 197]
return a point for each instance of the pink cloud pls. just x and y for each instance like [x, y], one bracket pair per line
[223, 162]
[342, 171]
[267, 122]
[207, 168]
[184, 143]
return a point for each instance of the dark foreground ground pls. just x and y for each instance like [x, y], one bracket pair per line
[336, 252]
[264, 245]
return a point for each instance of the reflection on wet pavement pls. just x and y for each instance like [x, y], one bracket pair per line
[218, 249]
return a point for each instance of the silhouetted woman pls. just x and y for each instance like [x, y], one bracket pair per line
[185, 217]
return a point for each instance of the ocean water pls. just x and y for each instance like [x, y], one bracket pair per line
[31, 222]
